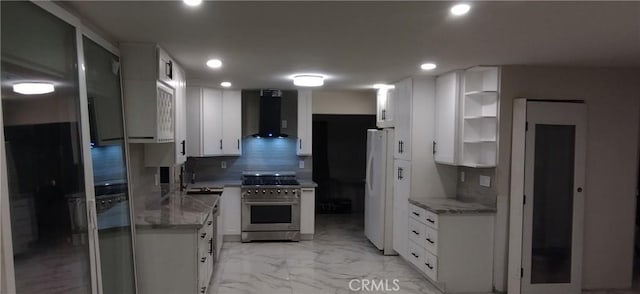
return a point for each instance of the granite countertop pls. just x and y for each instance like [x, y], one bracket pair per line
[450, 206]
[177, 210]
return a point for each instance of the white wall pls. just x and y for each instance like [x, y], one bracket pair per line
[344, 102]
[613, 120]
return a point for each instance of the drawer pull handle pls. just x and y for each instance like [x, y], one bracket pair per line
[415, 232]
[209, 223]
[203, 259]
[430, 241]
[415, 255]
[203, 289]
[429, 266]
[431, 221]
[415, 213]
[203, 235]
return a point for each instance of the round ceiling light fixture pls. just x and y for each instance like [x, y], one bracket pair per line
[383, 86]
[308, 80]
[428, 66]
[192, 3]
[460, 9]
[33, 88]
[225, 84]
[214, 63]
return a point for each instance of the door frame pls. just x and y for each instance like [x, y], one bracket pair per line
[517, 192]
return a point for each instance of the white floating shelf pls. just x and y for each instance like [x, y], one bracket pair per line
[479, 117]
[480, 93]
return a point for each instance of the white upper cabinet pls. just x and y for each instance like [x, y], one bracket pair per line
[385, 108]
[403, 99]
[480, 117]
[214, 122]
[174, 153]
[149, 101]
[305, 116]
[232, 122]
[445, 145]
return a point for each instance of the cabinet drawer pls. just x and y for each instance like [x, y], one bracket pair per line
[431, 219]
[416, 231]
[430, 240]
[415, 254]
[417, 213]
[430, 265]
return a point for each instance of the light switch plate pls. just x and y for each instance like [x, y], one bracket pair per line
[485, 181]
[301, 163]
[461, 176]
[223, 164]
[284, 123]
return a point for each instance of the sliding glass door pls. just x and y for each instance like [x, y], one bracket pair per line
[44, 160]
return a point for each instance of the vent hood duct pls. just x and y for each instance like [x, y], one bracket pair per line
[270, 114]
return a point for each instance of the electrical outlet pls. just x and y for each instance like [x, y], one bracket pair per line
[485, 181]
[223, 164]
[301, 163]
[284, 123]
[156, 179]
[462, 176]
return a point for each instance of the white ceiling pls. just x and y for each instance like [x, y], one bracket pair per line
[361, 43]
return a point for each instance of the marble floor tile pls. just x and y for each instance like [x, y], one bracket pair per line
[338, 254]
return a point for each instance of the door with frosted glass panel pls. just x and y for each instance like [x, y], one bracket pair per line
[554, 198]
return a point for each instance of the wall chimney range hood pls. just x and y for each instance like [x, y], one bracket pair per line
[270, 114]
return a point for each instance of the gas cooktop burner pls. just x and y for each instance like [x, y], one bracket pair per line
[269, 179]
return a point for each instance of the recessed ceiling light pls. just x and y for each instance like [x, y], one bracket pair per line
[225, 84]
[460, 9]
[33, 88]
[192, 2]
[308, 80]
[214, 63]
[428, 66]
[383, 86]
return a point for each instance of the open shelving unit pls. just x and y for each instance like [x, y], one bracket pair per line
[480, 117]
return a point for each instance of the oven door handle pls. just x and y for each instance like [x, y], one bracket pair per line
[271, 203]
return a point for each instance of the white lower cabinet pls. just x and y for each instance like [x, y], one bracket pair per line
[455, 251]
[307, 213]
[230, 212]
[174, 259]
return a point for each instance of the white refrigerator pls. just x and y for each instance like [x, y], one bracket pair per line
[378, 203]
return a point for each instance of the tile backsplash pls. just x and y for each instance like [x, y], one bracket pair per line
[471, 190]
[258, 154]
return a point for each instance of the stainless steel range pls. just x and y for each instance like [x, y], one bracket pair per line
[270, 206]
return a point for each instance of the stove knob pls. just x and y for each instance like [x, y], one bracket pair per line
[279, 191]
[264, 192]
[256, 191]
[294, 192]
[270, 191]
[286, 191]
[248, 191]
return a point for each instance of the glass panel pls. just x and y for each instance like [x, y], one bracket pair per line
[552, 204]
[43, 149]
[271, 214]
[109, 168]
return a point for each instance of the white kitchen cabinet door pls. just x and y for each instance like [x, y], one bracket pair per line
[230, 211]
[211, 122]
[401, 191]
[385, 109]
[447, 119]
[181, 115]
[231, 122]
[403, 100]
[307, 211]
[304, 122]
[194, 121]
